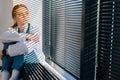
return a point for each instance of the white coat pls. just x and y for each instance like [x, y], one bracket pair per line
[22, 46]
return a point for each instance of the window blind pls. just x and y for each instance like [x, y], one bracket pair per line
[66, 35]
[88, 39]
[109, 45]
[46, 27]
[70, 31]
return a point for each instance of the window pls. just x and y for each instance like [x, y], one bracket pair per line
[69, 35]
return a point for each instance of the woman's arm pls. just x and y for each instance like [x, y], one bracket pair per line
[30, 41]
[17, 49]
[10, 36]
[32, 37]
[23, 47]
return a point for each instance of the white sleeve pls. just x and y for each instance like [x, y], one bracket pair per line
[40, 55]
[17, 49]
[30, 45]
[21, 48]
[35, 30]
[10, 36]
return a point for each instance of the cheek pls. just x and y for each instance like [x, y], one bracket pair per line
[21, 19]
[18, 19]
[15, 19]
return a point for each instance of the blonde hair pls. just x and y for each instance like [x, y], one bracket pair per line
[14, 12]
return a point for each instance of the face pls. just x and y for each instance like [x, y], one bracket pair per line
[21, 16]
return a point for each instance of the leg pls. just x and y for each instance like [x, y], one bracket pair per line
[17, 64]
[6, 67]
[6, 59]
[7, 63]
[15, 74]
[5, 75]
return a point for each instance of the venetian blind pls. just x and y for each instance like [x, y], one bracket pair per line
[109, 40]
[72, 40]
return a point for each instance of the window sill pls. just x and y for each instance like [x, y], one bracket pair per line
[58, 71]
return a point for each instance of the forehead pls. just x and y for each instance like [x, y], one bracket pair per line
[21, 10]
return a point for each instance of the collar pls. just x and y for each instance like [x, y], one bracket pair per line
[25, 29]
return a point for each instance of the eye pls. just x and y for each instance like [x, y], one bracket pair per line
[19, 14]
[27, 13]
[23, 14]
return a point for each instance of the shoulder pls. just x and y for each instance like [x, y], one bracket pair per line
[34, 26]
[34, 29]
[11, 30]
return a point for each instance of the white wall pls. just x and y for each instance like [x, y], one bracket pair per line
[5, 15]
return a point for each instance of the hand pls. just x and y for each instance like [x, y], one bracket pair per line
[33, 37]
[1, 54]
[7, 52]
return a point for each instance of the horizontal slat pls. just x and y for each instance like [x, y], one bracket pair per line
[36, 71]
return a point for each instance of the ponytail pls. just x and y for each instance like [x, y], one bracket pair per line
[14, 25]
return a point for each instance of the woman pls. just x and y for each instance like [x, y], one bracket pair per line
[27, 34]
